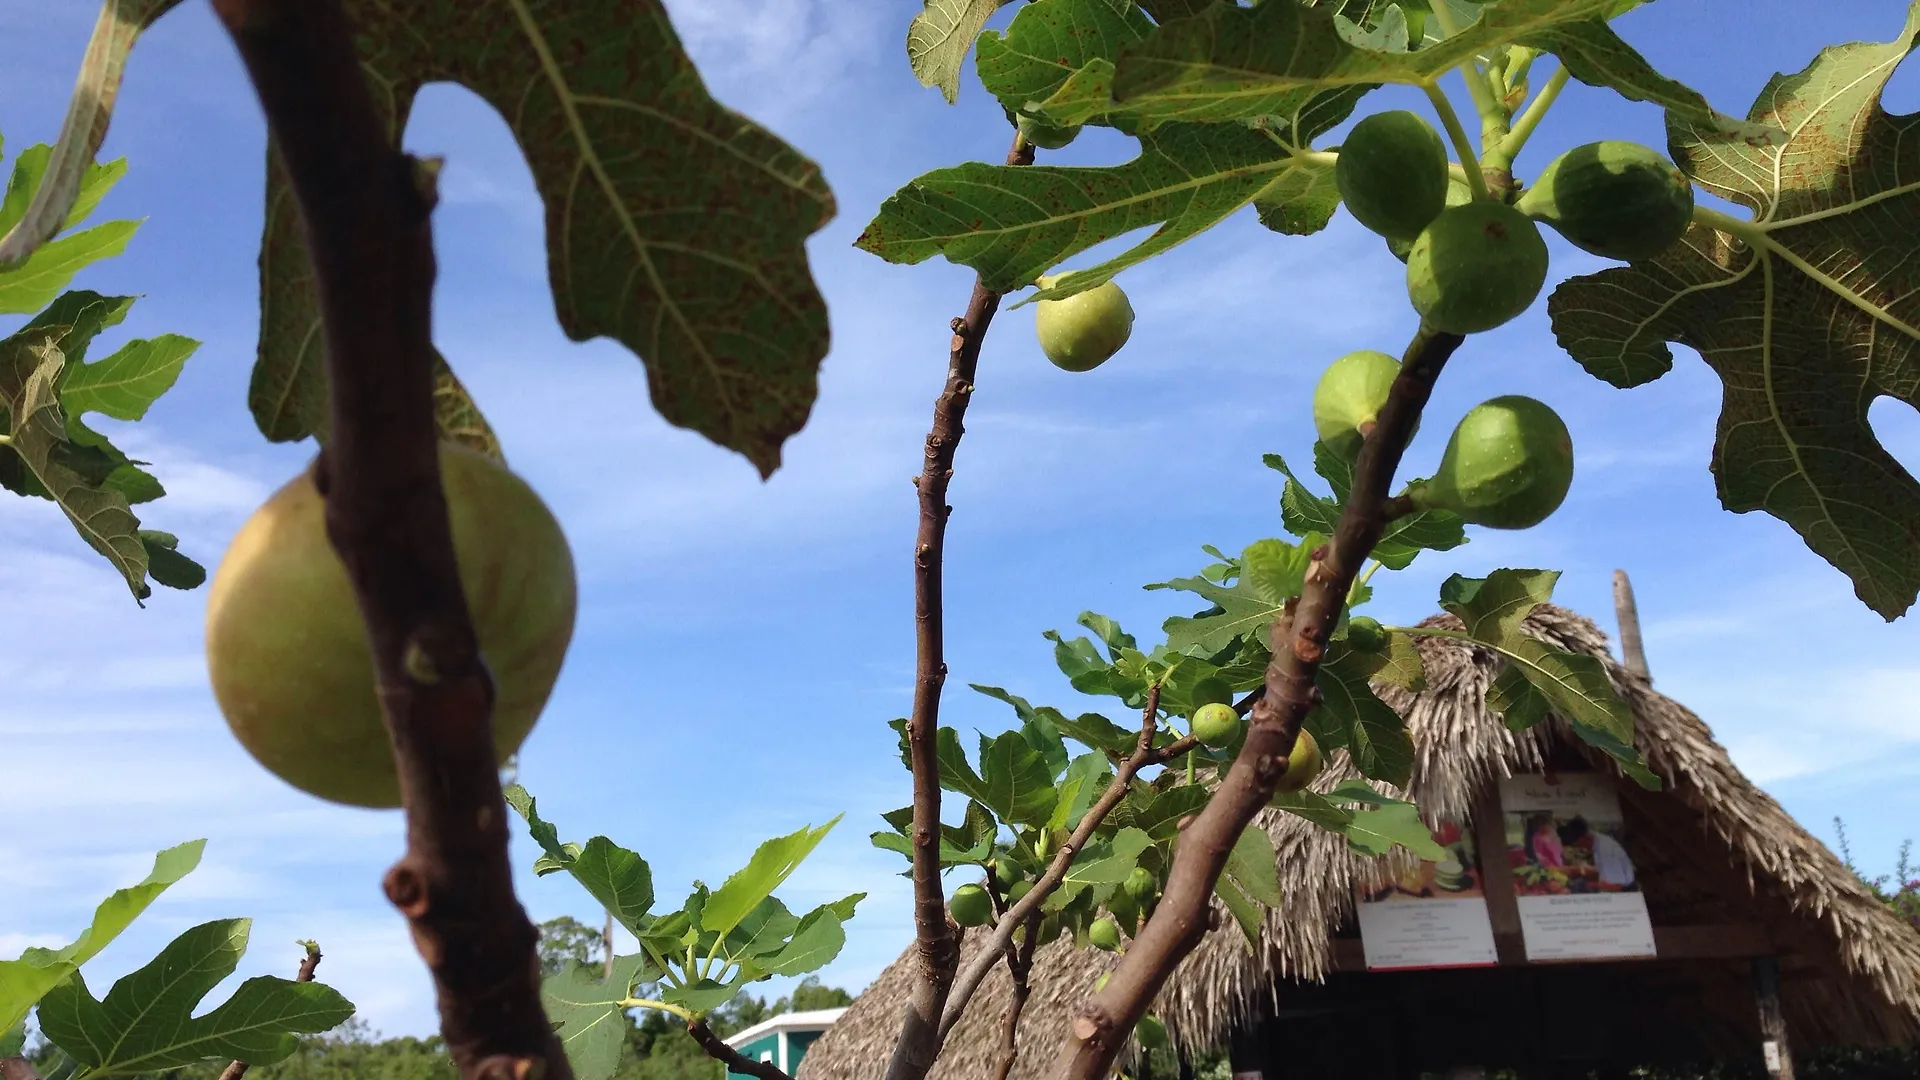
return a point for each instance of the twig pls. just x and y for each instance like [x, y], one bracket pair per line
[365, 207]
[735, 1061]
[1019, 967]
[935, 940]
[236, 1068]
[1143, 755]
[1100, 1028]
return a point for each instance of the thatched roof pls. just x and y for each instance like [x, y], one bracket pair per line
[1855, 966]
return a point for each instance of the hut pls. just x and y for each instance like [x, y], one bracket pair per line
[782, 1040]
[1760, 940]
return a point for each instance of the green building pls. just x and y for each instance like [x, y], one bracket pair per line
[782, 1040]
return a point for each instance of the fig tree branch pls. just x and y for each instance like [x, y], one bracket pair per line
[735, 1061]
[1101, 1025]
[1019, 967]
[237, 1069]
[936, 944]
[366, 211]
[17, 1068]
[1144, 754]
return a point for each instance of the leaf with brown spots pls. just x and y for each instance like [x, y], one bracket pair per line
[674, 225]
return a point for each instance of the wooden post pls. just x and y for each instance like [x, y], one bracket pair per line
[1496, 875]
[1774, 1047]
[1632, 650]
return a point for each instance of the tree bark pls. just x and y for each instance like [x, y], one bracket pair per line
[366, 209]
[1100, 1028]
[936, 941]
[1019, 967]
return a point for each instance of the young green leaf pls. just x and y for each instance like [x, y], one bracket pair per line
[1764, 305]
[1086, 778]
[1376, 831]
[815, 942]
[25, 980]
[1056, 58]
[555, 856]
[1108, 862]
[1246, 913]
[1016, 781]
[1573, 685]
[705, 995]
[619, 879]
[585, 1009]
[1271, 573]
[146, 1022]
[1303, 511]
[1013, 224]
[770, 865]
[1375, 736]
[1252, 866]
[940, 37]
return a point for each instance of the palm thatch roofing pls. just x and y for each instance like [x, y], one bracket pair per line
[1710, 847]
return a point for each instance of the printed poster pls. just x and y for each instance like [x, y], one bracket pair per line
[1579, 895]
[1434, 916]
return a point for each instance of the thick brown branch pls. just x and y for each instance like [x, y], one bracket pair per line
[1019, 967]
[366, 209]
[1143, 755]
[937, 944]
[17, 1068]
[735, 1061]
[237, 1069]
[1180, 920]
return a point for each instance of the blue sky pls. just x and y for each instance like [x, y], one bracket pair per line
[742, 645]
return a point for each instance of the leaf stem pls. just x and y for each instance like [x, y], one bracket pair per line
[680, 1011]
[1469, 161]
[1509, 147]
[1753, 232]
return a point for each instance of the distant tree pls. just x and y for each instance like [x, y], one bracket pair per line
[566, 941]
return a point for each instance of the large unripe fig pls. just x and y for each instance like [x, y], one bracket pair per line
[1507, 466]
[1348, 397]
[1392, 173]
[1141, 885]
[970, 905]
[1018, 891]
[1303, 764]
[288, 652]
[1080, 332]
[1477, 266]
[1618, 200]
[1044, 135]
[1216, 725]
[1104, 934]
[1366, 634]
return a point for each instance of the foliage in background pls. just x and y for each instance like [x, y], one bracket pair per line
[48, 386]
[1900, 890]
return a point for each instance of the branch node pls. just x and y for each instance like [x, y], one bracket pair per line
[419, 664]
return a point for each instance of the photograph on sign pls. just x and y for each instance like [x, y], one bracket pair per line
[1579, 895]
[1433, 915]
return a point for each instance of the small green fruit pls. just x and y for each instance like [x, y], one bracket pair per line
[1348, 397]
[1082, 331]
[1302, 765]
[1476, 267]
[1508, 465]
[1210, 690]
[1018, 891]
[1044, 135]
[1392, 173]
[1141, 885]
[970, 906]
[1618, 200]
[1366, 634]
[1216, 725]
[1151, 1033]
[1104, 934]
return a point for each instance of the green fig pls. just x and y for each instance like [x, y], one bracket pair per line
[1618, 200]
[1104, 934]
[1216, 725]
[1210, 690]
[1303, 764]
[1141, 885]
[1348, 397]
[1080, 332]
[1476, 267]
[1508, 465]
[1392, 173]
[1018, 891]
[1366, 634]
[970, 906]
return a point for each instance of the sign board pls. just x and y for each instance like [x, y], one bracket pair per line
[1433, 916]
[1578, 893]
